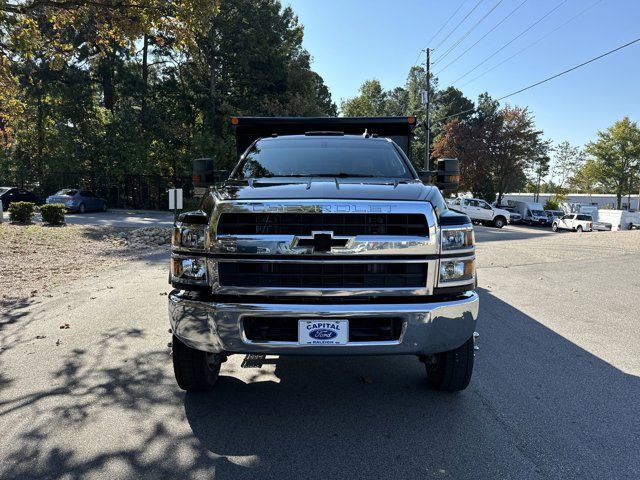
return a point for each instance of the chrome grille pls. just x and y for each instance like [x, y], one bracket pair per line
[370, 224]
[322, 275]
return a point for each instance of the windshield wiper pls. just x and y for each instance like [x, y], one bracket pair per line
[321, 175]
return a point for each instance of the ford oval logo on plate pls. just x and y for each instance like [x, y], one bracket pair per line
[323, 332]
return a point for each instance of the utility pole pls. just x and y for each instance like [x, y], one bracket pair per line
[427, 100]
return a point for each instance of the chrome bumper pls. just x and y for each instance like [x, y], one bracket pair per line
[427, 327]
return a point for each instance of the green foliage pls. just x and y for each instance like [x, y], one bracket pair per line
[616, 157]
[53, 213]
[21, 212]
[496, 148]
[551, 204]
[567, 161]
[373, 100]
[107, 90]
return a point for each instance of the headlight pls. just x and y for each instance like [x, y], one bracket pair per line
[189, 236]
[456, 238]
[189, 270]
[457, 270]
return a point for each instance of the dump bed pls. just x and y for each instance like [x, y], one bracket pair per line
[249, 129]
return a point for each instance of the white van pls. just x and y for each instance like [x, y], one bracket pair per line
[532, 213]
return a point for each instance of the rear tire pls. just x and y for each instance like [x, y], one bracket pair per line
[451, 371]
[579, 229]
[499, 222]
[82, 208]
[194, 369]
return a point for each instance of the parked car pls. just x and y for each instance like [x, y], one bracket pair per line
[553, 215]
[514, 216]
[77, 200]
[480, 211]
[15, 194]
[576, 222]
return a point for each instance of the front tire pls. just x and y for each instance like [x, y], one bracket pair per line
[195, 370]
[82, 208]
[554, 227]
[499, 222]
[451, 371]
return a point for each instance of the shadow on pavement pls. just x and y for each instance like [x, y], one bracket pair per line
[538, 406]
[511, 232]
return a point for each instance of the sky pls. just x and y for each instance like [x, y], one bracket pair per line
[355, 40]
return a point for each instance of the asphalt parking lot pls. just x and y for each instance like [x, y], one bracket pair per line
[554, 393]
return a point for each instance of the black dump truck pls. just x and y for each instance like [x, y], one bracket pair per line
[325, 240]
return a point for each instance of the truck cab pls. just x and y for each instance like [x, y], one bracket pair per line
[324, 241]
[480, 211]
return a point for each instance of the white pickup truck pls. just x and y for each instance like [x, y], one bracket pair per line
[575, 222]
[480, 211]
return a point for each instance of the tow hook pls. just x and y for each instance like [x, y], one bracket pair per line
[475, 336]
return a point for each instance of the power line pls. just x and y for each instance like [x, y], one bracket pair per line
[564, 72]
[447, 22]
[512, 40]
[532, 44]
[485, 35]
[466, 34]
[571, 69]
[418, 59]
[458, 24]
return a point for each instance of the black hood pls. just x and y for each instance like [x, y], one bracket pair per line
[325, 189]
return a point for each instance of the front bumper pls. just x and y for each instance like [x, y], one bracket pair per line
[427, 327]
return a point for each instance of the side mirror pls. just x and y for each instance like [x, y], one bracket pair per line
[448, 174]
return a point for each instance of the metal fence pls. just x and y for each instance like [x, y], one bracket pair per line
[120, 191]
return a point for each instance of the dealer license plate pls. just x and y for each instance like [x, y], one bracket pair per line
[323, 332]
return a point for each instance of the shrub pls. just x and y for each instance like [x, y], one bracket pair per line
[53, 213]
[551, 204]
[21, 212]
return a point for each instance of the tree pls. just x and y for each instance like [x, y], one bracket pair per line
[566, 163]
[538, 169]
[495, 148]
[587, 178]
[372, 101]
[616, 154]
[142, 87]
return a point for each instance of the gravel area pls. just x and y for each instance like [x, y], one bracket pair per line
[36, 258]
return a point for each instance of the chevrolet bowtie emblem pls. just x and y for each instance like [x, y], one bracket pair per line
[321, 242]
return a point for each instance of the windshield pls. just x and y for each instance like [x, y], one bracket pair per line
[323, 157]
[4, 190]
[538, 213]
[67, 191]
